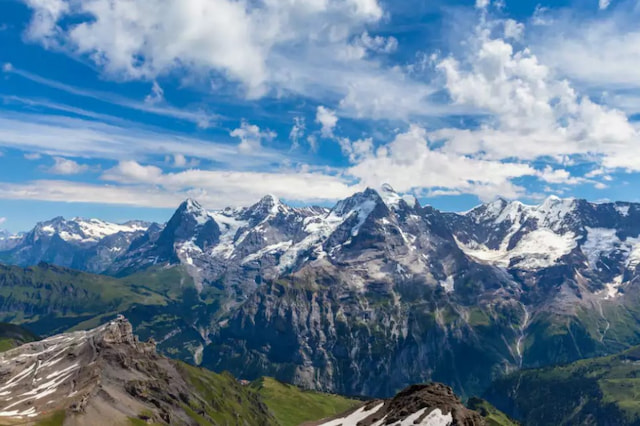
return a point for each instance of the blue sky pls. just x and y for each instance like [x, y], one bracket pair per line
[120, 110]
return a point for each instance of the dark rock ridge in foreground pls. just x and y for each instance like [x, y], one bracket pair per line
[420, 405]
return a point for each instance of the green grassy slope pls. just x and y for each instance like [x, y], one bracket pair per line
[223, 400]
[49, 299]
[292, 406]
[160, 302]
[593, 391]
[12, 336]
[491, 414]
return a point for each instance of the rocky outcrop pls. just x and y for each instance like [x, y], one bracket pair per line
[418, 405]
[106, 376]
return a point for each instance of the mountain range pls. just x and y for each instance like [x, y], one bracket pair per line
[364, 298]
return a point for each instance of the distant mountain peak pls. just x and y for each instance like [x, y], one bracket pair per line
[394, 200]
[191, 205]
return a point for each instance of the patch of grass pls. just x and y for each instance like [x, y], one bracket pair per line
[134, 421]
[56, 419]
[292, 406]
[491, 414]
[222, 400]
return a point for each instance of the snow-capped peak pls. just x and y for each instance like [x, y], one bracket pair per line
[550, 213]
[85, 230]
[191, 206]
[392, 199]
[270, 202]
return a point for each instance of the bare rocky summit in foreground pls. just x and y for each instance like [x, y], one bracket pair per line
[105, 376]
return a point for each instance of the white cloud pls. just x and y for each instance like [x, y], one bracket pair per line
[531, 115]
[425, 168]
[513, 29]
[65, 166]
[156, 95]
[559, 176]
[297, 131]
[328, 119]
[155, 37]
[251, 137]
[7, 67]
[2, 220]
[600, 53]
[220, 188]
[201, 118]
[131, 183]
[316, 49]
[482, 4]
[541, 16]
[179, 161]
[356, 150]
[73, 137]
[378, 44]
[530, 109]
[603, 4]
[313, 142]
[31, 156]
[78, 192]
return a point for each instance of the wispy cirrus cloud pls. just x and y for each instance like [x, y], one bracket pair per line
[200, 117]
[65, 136]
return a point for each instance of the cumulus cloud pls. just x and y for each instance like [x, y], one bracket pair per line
[408, 163]
[155, 37]
[2, 220]
[316, 49]
[65, 166]
[328, 119]
[533, 114]
[251, 137]
[356, 150]
[180, 161]
[532, 118]
[603, 4]
[378, 44]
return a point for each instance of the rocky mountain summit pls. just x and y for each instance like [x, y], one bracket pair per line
[418, 405]
[105, 376]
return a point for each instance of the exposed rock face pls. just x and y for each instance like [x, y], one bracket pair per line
[418, 405]
[101, 377]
